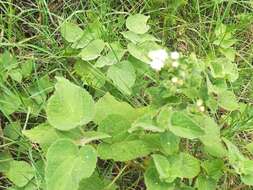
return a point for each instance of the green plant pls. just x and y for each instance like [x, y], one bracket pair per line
[176, 136]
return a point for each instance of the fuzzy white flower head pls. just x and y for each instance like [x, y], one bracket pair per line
[199, 102]
[174, 55]
[157, 64]
[159, 54]
[158, 58]
[175, 64]
[202, 108]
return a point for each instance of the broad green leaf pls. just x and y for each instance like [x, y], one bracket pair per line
[67, 165]
[184, 126]
[112, 57]
[232, 73]
[16, 75]
[227, 100]
[247, 179]
[13, 130]
[241, 164]
[108, 105]
[71, 32]
[141, 51]
[205, 183]
[235, 157]
[137, 23]
[146, 122]
[95, 182]
[247, 172]
[40, 88]
[92, 50]
[84, 40]
[20, 173]
[184, 165]
[163, 118]
[70, 106]
[27, 68]
[123, 76]
[153, 182]
[250, 147]
[9, 102]
[224, 36]
[217, 68]
[92, 136]
[138, 53]
[44, 134]
[211, 138]
[216, 149]
[216, 86]
[116, 126]
[32, 185]
[89, 75]
[5, 159]
[229, 53]
[138, 38]
[91, 32]
[169, 142]
[164, 168]
[125, 150]
[213, 168]
[8, 62]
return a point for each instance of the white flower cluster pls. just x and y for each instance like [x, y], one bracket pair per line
[175, 56]
[200, 106]
[158, 59]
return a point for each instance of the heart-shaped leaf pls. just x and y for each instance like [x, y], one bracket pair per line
[123, 76]
[20, 173]
[70, 106]
[183, 126]
[153, 182]
[92, 50]
[71, 32]
[137, 23]
[67, 165]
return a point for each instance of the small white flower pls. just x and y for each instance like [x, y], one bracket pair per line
[157, 64]
[158, 58]
[175, 64]
[202, 108]
[199, 102]
[174, 55]
[159, 54]
[174, 79]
